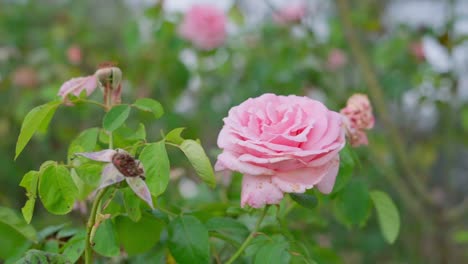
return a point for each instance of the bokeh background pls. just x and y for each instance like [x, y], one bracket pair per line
[415, 50]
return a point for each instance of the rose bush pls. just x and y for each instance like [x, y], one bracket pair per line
[282, 144]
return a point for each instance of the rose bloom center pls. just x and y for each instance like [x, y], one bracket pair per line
[127, 165]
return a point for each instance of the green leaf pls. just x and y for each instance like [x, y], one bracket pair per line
[345, 172]
[227, 229]
[105, 240]
[157, 168]
[29, 182]
[189, 241]
[149, 105]
[132, 204]
[85, 142]
[174, 136]
[352, 204]
[11, 219]
[57, 189]
[51, 245]
[387, 213]
[116, 117]
[306, 200]
[86, 178]
[37, 119]
[274, 251]
[74, 247]
[134, 236]
[460, 236]
[35, 256]
[197, 157]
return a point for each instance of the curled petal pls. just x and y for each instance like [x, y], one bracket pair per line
[77, 85]
[140, 188]
[259, 190]
[103, 155]
[326, 184]
[227, 161]
[110, 175]
[298, 181]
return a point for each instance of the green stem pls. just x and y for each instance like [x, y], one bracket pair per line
[376, 93]
[90, 226]
[249, 238]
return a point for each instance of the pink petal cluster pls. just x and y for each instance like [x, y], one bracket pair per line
[77, 85]
[336, 59]
[292, 13]
[282, 144]
[204, 26]
[358, 117]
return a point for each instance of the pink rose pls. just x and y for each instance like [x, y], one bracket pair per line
[282, 144]
[336, 59]
[204, 26]
[292, 13]
[358, 117]
[417, 50]
[74, 54]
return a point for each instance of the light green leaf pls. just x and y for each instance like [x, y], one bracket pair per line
[132, 204]
[149, 105]
[174, 136]
[37, 119]
[57, 189]
[116, 117]
[157, 168]
[86, 178]
[85, 142]
[387, 213]
[74, 247]
[105, 240]
[200, 162]
[11, 219]
[189, 241]
[134, 236]
[29, 182]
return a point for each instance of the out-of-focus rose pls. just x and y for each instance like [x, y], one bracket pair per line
[204, 26]
[336, 59]
[289, 14]
[77, 85]
[25, 76]
[417, 50]
[282, 144]
[74, 54]
[358, 117]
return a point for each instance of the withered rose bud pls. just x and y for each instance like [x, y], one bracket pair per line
[109, 75]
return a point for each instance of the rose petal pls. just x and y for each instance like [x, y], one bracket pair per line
[326, 184]
[76, 85]
[103, 155]
[227, 161]
[140, 188]
[299, 180]
[110, 175]
[258, 191]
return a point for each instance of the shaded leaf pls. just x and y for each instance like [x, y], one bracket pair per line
[200, 162]
[116, 117]
[149, 105]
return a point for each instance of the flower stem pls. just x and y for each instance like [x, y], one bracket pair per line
[90, 226]
[249, 238]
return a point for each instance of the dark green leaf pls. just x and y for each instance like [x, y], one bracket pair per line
[149, 105]
[116, 117]
[57, 189]
[352, 204]
[197, 157]
[38, 118]
[11, 219]
[306, 200]
[157, 168]
[141, 236]
[34, 256]
[387, 213]
[74, 247]
[189, 241]
[85, 142]
[86, 178]
[274, 251]
[132, 204]
[227, 229]
[345, 172]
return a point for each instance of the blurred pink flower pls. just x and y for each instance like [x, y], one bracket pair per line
[358, 118]
[204, 26]
[25, 76]
[292, 13]
[77, 85]
[417, 50]
[74, 54]
[336, 59]
[282, 144]
[121, 166]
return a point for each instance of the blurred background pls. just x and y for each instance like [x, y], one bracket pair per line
[410, 56]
